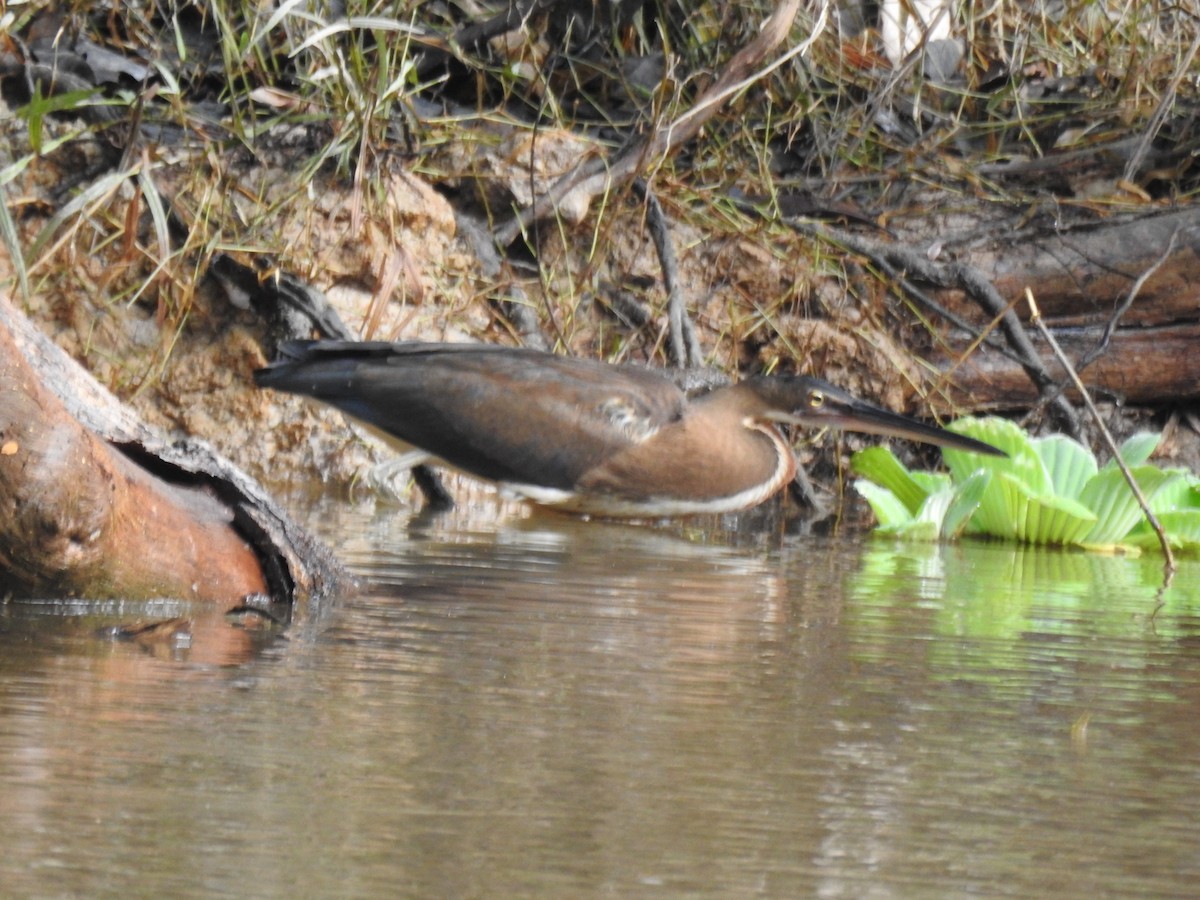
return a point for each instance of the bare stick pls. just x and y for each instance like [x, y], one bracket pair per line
[1035, 316]
[685, 349]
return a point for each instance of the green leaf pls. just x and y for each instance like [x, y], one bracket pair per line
[1107, 494]
[931, 482]
[927, 524]
[933, 510]
[1176, 494]
[880, 465]
[1191, 498]
[1022, 462]
[1044, 519]
[966, 501]
[1138, 448]
[1068, 463]
[1181, 526]
[1047, 491]
[997, 513]
[889, 510]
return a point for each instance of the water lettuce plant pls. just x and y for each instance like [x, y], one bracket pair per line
[1049, 490]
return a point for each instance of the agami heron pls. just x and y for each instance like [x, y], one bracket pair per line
[581, 435]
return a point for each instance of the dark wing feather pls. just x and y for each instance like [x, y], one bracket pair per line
[510, 415]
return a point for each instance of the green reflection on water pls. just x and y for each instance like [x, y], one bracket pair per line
[991, 606]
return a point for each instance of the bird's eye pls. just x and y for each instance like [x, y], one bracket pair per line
[816, 399]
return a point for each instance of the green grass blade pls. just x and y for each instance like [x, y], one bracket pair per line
[12, 241]
[158, 213]
[94, 193]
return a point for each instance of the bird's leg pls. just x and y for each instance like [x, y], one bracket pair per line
[801, 490]
[437, 498]
[427, 480]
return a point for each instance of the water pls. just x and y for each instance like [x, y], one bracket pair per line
[543, 707]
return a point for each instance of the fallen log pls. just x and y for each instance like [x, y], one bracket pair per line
[1081, 275]
[1143, 366]
[95, 504]
[1122, 298]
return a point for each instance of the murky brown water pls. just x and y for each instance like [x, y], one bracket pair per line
[553, 708]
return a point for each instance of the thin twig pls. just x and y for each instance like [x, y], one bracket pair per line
[1092, 355]
[1035, 316]
[1111, 326]
[982, 338]
[685, 348]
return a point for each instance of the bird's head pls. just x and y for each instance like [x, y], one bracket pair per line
[804, 400]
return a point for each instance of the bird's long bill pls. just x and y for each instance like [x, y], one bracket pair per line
[858, 415]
